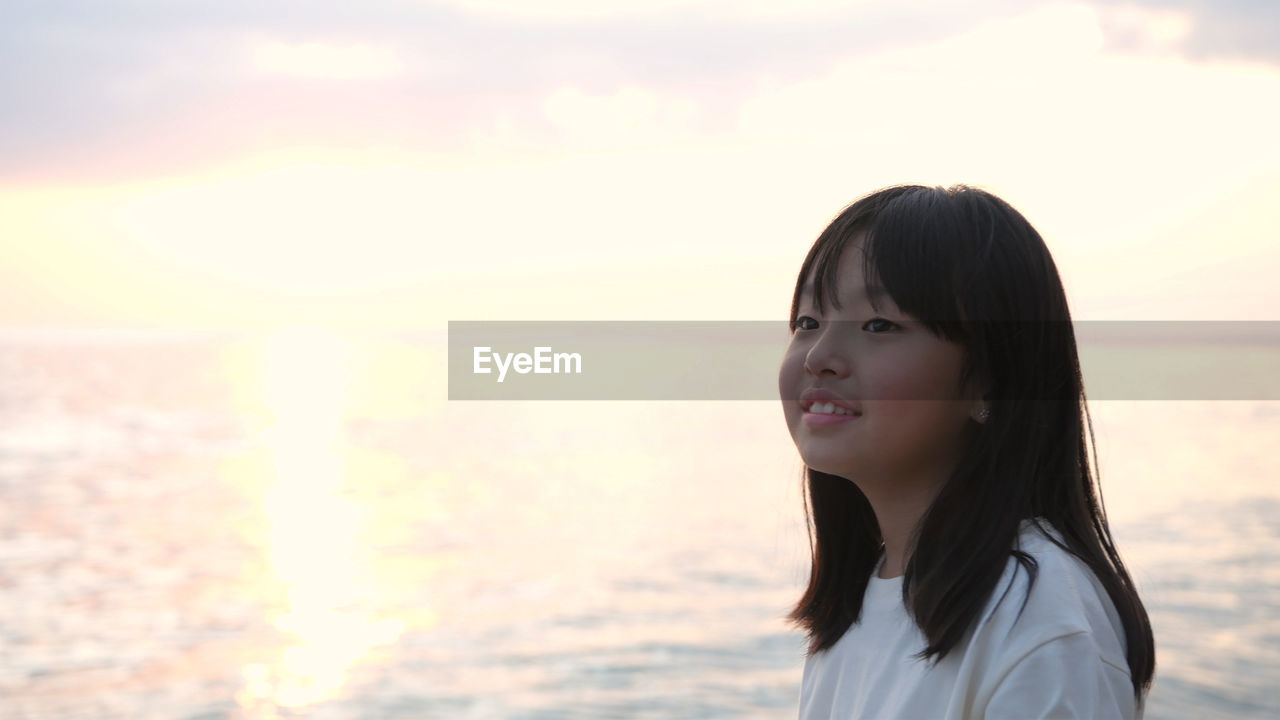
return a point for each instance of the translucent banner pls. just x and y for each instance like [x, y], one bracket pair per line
[739, 360]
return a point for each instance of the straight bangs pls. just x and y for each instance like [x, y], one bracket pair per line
[916, 248]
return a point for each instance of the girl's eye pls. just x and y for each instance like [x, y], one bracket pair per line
[804, 322]
[872, 321]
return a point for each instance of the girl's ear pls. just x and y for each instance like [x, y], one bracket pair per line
[981, 409]
[979, 389]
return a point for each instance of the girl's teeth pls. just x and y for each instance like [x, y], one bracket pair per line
[829, 409]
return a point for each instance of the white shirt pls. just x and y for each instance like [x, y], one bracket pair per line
[1063, 658]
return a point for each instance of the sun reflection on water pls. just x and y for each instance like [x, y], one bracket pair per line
[313, 541]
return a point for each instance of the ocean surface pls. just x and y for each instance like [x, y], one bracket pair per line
[301, 526]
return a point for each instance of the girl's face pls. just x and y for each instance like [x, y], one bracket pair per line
[910, 422]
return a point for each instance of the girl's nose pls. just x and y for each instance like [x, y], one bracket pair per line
[826, 358]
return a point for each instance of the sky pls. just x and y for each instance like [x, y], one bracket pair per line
[399, 163]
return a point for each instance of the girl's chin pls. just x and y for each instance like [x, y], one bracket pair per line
[830, 466]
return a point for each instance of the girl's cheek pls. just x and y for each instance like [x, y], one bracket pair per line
[903, 376]
[790, 374]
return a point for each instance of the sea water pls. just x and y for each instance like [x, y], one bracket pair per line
[304, 526]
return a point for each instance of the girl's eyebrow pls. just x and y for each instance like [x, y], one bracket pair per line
[874, 292]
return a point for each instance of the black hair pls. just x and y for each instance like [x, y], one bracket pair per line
[974, 272]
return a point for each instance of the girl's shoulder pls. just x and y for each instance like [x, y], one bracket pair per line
[1050, 594]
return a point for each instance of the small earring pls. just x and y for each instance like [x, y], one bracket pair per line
[982, 415]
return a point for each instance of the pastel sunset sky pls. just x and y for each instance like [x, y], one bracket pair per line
[400, 163]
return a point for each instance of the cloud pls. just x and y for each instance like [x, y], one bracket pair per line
[141, 87]
[135, 87]
[1200, 29]
[341, 61]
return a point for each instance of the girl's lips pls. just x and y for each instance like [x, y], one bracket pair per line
[823, 419]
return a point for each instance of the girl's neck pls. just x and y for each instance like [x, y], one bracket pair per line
[897, 513]
[895, 547]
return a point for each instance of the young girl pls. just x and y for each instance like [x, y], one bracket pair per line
[962, 563]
